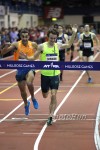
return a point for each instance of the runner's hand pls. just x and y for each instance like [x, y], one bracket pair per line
[74, 28]
[22, 55]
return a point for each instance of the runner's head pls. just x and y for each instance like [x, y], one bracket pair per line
[68, 29]
[86, 28]
[52, 36]
[55, 26]
[60, 29]
[81, 29]
[24, 36]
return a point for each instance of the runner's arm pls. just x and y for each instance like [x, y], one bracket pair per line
[8, 47]
[35, 46]
[70, 42]
[66, 38]
[96, 39]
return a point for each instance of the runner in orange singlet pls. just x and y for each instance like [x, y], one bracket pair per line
[24, 76]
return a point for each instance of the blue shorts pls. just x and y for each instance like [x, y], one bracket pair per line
[49, 82]
[21, 74]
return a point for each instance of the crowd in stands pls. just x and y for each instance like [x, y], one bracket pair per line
[37, 34]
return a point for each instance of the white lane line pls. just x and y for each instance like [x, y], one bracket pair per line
[18, 106]
[16, 119]
[44, 119]
[23, 119]
[7, 74]
[2, 132]
[75, 58]
[68, 94]
[65, 98]
[96, 131]
[57, 109]
[32, 114]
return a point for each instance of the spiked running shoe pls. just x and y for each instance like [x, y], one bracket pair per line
[49, 121]
[27, 108]
[35, 103]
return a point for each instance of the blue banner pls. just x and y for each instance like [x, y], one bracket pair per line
[50, 65]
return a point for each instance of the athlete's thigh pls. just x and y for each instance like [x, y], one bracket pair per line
[80, 54]
[91, 58]
[22, 85]
[30, 76]
[85, 58]
[45, 83]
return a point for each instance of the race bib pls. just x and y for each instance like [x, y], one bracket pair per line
[59, 41]
[51, 57]
[87, 45]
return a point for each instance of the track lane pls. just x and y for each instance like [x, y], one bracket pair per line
[35, 124]
[76, 134]
[5, 126]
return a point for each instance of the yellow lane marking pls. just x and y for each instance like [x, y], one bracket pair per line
[60, 91]
[11, 86]
[93, 85]
[8, 88]
[10, 99]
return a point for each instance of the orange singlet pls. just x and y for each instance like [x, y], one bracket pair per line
[28, 50]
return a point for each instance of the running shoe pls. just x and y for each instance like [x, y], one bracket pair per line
[27, 108]
[35, 103]
[89, 80]
[49, 121]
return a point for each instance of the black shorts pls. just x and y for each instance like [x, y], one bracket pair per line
[21, 74]
[62, 55]
[88, 53]
[49, 82]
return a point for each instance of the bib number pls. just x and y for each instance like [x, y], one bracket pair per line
[51, 57]
[87, 45]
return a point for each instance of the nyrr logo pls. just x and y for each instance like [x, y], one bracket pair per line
[51, 66]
